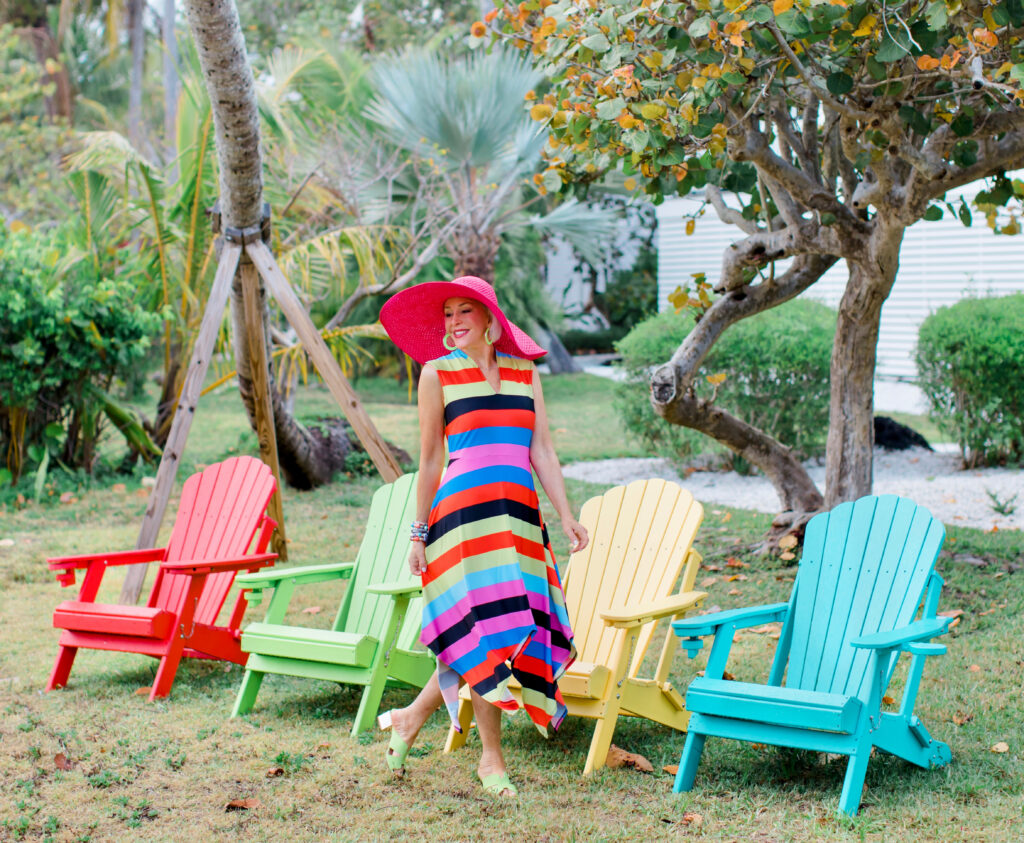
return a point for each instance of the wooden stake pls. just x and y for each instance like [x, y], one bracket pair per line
[183, 415]
[324, 361]
[253, 307]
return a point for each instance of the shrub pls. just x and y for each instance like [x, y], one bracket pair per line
[601, 341]
[970, 359]
[777, 377]
[64, 338]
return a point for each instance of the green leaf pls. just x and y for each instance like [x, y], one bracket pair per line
[598, 43]
[936, 15]
[1017, 72]
[965, 153]
[962, 125]
[758, 14]
[875, 68]
[895, 45]
[793, 23]
[610, 109]
[828, 218]
[700, 27]
[734, 78]
[965, 213]
[933, 214]
[839, 83]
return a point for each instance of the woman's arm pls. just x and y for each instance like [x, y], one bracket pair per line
[431, 411]
[549, 472]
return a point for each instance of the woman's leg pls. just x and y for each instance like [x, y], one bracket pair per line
[408, 721]
[488, 724]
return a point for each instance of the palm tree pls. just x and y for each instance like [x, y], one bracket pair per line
[465, 115]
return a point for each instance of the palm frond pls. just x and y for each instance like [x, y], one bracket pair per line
[589, 229]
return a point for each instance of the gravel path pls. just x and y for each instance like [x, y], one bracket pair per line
[931, 478]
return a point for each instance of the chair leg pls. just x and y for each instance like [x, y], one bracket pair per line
[853, 784]
[688, 761]
[62, 667]
[455, 738]
[166, 672]
[246, 698]
[604, 729]
[370, 702]
[908, 738]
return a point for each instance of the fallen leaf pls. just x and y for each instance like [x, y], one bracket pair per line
[787, 556]
[141, 692]
[712, 567]
[620, 758]
[1002, 746]
[274, 772]
[975, 668]
[760, 747]
[710, 610]
[764, 629]
[733, 562]
[727, 676]
[783, 578]
[141, 493]
[962, 717]
[788, 541]
[61, 762]
[737, 578]
[708, 581]
[67, 497]
[734, 591]
[727, 517]
[119, 487]
[887, 700]
[242, 804]
[311, 610]
[671, 769]
[691, 818]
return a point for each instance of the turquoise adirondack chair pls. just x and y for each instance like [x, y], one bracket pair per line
[860, 582]
[374, 640]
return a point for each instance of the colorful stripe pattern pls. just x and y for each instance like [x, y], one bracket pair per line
[493, 601]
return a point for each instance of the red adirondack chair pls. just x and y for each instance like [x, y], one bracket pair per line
[222, 509]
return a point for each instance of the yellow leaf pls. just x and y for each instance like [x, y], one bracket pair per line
[630, 184]
[1002, 746]
[887, 700]
[691, 226]
[541, 111]
[18, 226]
[788, 541]
[652, 111]
[867, 26]
[781, 6]
[990, 21]
[927, 63]
[984, 38]
[787, 556]
[1003, 69]
[717, 378]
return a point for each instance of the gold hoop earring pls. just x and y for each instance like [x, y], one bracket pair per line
[487, 336]
[444, 342]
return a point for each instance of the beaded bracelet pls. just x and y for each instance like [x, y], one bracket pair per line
[419, 532]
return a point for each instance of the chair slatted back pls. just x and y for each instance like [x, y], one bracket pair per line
[221, 509]
[383, 558]
[640, 535]
[864, 569]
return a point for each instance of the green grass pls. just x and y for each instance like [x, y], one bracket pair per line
[135, 770]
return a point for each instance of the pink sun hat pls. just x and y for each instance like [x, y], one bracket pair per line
[414, 319]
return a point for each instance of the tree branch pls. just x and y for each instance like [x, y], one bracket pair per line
[730, 216]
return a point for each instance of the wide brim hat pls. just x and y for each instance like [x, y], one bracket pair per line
[414, 319]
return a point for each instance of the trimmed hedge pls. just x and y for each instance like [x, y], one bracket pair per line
[970, 359]
[777, 377]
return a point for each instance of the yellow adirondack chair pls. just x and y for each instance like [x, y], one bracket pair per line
[616, 591]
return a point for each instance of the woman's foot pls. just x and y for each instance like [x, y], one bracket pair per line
[495, 780]
[402, 738]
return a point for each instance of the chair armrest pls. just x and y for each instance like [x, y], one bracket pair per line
[306, 574]
[916, 631]
[736, 618]
[68, 564]
[397, 590]
[664, 607]
[214, 566]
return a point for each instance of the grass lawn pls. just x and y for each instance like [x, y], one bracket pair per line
[163, 771]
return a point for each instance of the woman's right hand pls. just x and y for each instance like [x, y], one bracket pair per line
[418, 559]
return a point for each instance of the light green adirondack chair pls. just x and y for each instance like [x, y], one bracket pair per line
[375, 637]
[864, 569]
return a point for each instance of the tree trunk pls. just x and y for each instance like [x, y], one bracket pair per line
[61, 103]
[137, 39]
[307, 459]
[170, 86]
[851, 432]
[559, 360]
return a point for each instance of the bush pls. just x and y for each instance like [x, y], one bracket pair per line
[970, 359]
[64, 338]
[777, 377]
[601, 341]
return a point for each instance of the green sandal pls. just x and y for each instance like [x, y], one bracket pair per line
[498, 784]
[397, 748]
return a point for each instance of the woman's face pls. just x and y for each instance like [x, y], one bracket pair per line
[465, 320]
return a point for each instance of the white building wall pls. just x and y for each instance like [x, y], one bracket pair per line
[940, 263]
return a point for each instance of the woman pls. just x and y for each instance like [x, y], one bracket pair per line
[493, 605]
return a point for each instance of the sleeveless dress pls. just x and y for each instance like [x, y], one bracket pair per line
[493, 605]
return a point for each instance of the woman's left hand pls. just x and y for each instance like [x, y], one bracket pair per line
[576, 533]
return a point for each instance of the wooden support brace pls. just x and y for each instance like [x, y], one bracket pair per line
[183, 415]
[324, 361]
[257, 350]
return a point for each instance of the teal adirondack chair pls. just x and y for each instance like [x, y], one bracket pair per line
[374, 640]
[864, 569]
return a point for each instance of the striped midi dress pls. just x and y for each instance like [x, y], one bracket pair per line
[493, 605]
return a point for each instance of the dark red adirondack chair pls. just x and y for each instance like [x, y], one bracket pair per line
[222, 511]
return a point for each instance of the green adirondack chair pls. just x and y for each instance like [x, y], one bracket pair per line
[864, 569]
[375, 637]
